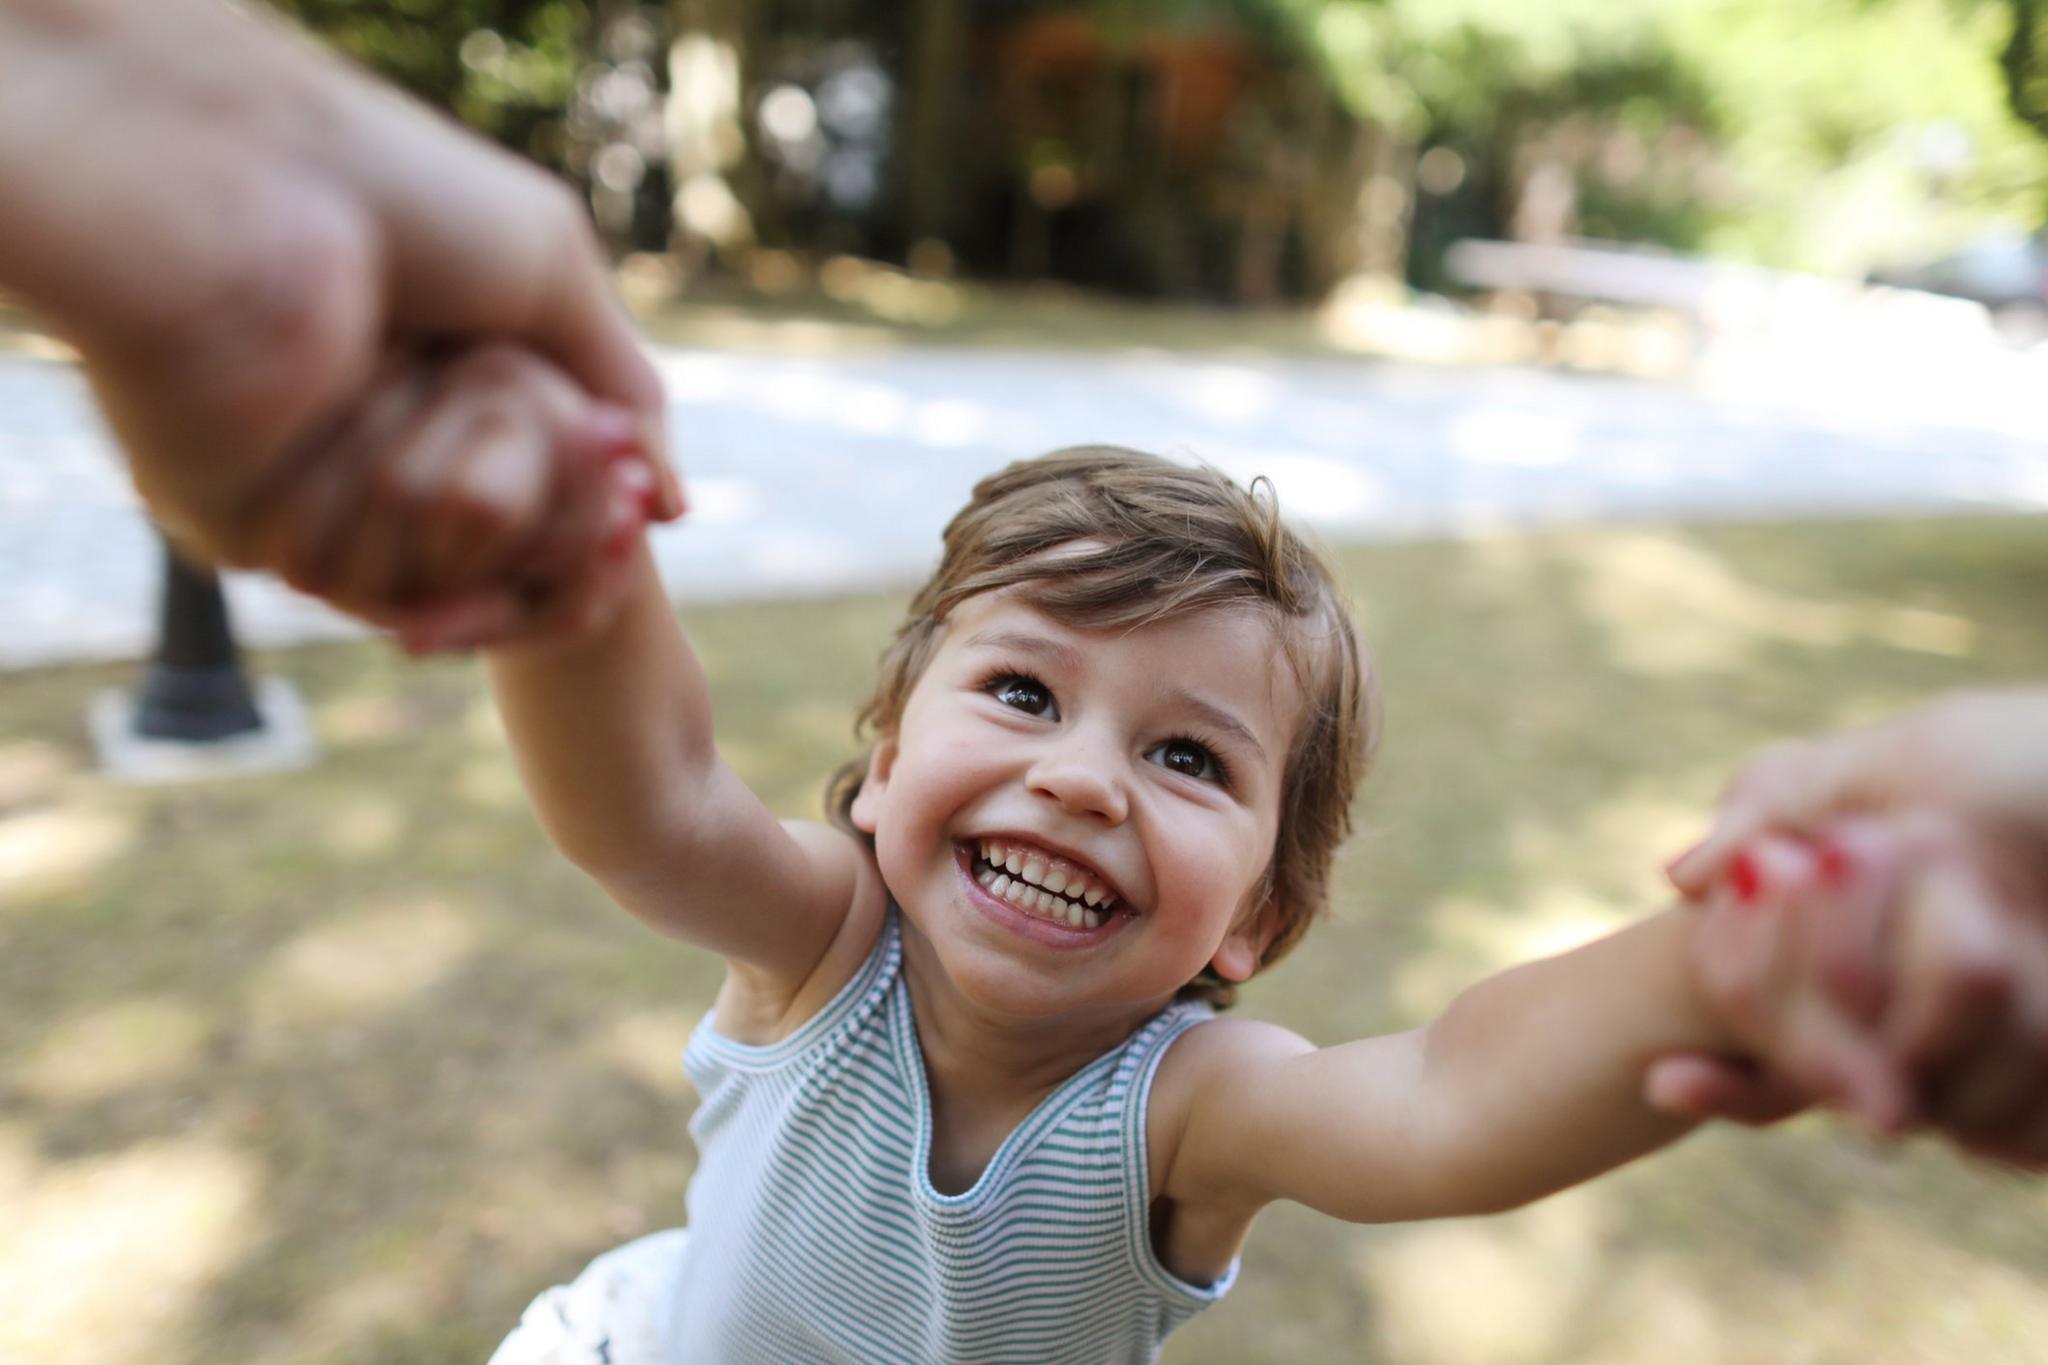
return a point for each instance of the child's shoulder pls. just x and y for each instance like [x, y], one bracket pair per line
[758, 1008]
[1212, 1065]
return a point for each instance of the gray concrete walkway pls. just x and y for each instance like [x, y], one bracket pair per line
[822, 475]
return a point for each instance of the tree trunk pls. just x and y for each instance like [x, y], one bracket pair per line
[937, 44]
[706, 130]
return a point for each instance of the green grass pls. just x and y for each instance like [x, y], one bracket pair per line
[343, 1066]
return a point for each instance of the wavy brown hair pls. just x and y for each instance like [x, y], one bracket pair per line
[1102, 538]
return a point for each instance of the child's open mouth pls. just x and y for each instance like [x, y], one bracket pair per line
[1041, 885]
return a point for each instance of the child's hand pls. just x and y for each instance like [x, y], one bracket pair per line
[469, 499]
[1896, 968]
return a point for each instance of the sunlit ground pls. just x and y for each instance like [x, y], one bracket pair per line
[343, 1066]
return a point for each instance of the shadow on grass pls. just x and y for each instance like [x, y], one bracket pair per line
[345, 1065]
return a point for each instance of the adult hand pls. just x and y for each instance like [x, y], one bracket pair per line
[1895, 968]
[1979, 759]
[237, 229]
[1980, 756]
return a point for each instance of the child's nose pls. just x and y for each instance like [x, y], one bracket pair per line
[1084, 776]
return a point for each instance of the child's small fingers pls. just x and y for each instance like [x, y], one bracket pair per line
[1848, 919]
[590, 600]
[1695, 1085]
[586, 483]
[496, 500]
[1852, 1071]
[511, 421]
[1746, 945]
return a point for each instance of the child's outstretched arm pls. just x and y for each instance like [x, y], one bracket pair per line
[605, 703]
[1530, 1082]
[613, 735]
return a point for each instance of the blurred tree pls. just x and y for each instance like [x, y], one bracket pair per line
[506, 67]
[2021, 60]
[1823, 134]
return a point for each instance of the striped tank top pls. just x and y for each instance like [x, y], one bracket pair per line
[816, 1234]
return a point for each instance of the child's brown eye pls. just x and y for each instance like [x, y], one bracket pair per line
[1026, 694]
[1188, 758]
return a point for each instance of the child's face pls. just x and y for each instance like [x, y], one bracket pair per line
[1135, 775]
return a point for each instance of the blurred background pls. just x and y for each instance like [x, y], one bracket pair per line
[1666, 379]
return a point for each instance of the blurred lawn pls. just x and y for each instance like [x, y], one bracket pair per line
[343, 1066]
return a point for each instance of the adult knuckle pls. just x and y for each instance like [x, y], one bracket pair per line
[290, 324]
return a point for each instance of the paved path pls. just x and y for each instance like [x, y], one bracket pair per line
[814, 475]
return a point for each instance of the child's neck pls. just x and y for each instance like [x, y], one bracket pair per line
[986, 1072]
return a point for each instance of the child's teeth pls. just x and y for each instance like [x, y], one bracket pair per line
[1041, 887]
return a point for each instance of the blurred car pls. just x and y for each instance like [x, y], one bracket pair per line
[2006, 271]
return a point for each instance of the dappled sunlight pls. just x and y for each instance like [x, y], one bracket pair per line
[360, 1305]
[1471, 938]
[491, 782]
[1670, 607]
[480, 722]
[97, 1055]
[103, 1260]
[362, 718]
[366, 827]
[363, 966]
[1881, 1279]
[647, 1047]
[1484, 1292]
[1623, 840]
[57, 848]
[456, 1072]
[532, 1205]
[32, 771]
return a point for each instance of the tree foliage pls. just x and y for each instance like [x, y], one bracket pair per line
[1817, 133]
[506, 67]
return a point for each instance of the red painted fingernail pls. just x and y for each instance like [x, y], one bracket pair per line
[1744, 878]
[1833, 863]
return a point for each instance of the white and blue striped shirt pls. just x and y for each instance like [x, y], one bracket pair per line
[816, 1234]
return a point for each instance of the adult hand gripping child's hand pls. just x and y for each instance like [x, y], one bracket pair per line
[448, 474]
[240, 232]
[1895, 967]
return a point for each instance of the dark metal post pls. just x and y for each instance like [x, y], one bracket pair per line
[195, 689]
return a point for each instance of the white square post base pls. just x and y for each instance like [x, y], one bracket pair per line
[283, 743]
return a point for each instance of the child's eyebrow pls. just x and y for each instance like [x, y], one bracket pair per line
[1066, 657]
[1216, 717]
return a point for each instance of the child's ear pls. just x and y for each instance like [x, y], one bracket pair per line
[867, 802]
[1244, 947]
